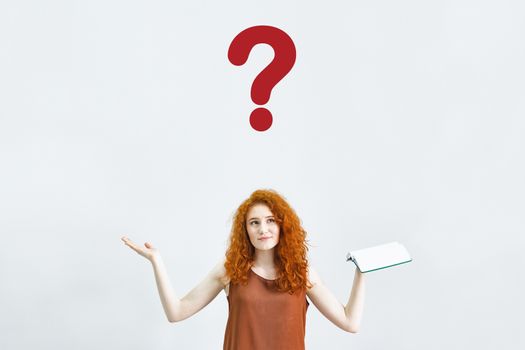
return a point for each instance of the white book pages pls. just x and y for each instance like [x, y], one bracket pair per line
[379, 257]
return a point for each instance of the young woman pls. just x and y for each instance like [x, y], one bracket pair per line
[266, 279]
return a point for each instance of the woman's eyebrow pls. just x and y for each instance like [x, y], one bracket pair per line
[256, 218]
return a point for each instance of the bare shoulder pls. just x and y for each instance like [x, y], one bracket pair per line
[313, 277]
[219, 272]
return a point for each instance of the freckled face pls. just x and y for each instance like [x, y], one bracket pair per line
[262, 228]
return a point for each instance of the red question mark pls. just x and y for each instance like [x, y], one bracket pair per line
[282, 63]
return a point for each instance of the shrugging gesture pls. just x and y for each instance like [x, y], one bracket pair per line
[267, 279]
[179, 309]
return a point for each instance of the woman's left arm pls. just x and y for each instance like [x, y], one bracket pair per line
[346, 317]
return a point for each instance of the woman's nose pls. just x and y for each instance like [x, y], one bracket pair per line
[263, 229]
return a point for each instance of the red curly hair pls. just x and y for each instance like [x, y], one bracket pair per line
[291, 251]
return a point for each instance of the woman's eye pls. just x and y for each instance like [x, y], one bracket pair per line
[271, 220]
[253, 223]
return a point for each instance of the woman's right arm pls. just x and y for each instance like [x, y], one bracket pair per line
[179, 309]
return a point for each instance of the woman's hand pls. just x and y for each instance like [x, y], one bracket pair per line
[148, 251]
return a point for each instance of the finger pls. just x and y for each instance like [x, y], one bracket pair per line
[148, 245]
[139, 251]
[133, 246]
[125, 239]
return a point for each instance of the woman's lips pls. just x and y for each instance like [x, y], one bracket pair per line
[264, 238]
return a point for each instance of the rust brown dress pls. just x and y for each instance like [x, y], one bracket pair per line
[261, 318]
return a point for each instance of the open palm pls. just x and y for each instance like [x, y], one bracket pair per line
[147, 251]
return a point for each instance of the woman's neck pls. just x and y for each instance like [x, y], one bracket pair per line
[264, 259]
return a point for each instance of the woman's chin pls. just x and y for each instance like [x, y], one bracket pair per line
[266, 246]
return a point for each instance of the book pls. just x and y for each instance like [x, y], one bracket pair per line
[379, 257]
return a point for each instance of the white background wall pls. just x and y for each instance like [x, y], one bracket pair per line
[401, 120]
